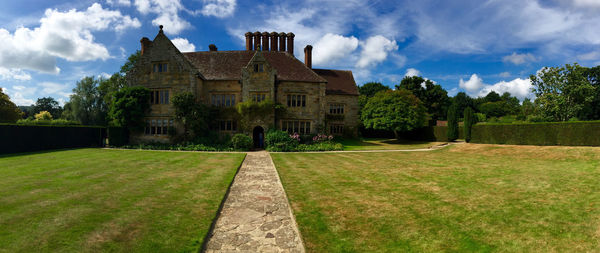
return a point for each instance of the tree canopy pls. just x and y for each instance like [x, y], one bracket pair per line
[9, 112]
[397, 111]
[371, 88]
[433, 96]
[129, 107]
[48, 104]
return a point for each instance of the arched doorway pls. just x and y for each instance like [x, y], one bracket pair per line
[258, 136]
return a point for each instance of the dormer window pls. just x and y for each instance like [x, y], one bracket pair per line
[258, 68]
[160, 67]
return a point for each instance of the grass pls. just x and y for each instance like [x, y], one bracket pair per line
[466, 197]
[90, 200]
[383, 144]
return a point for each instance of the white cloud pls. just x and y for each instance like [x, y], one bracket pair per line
[67, 35]
[594, 55]
[51, 88]
[518, 59]
[375, 50]
[167, 12]
[520, 88]
[412, 72]
[18, 94]
[119, 2]
[218, 8]
[13, 74]
[183, 45]
[333, 47]
[504, 74]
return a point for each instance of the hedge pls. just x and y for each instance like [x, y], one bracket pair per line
[431, 133]
[20, 138]
[585, 133]
[118, 136]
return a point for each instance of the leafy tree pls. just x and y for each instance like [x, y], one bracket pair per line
[48, 104]
[493, 109]
[592, 111]
[527, 109]
[9, 112]
[462, 101]
[396, 111]
[492, 97]
[194, 116]
[433, 96]
[452, 123]
[129, 107]
[468, 123]
[43, 115]
[562, 92]
[371, 88]
[86, 104]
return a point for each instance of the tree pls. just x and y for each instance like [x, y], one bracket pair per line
[433, 96]
[194, 116]
[86, 103]
[396, 111]
[468, 123]
[592, 111]
[462, 101]
[9, 112]
[129, 107]
[43, 115]
[492, 97]
[48, 104]
[371, 88]
[452, 123]
[562, 92]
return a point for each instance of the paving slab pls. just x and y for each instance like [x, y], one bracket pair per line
[256, 216]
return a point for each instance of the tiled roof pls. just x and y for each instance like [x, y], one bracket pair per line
[338, 81]
[227, 65]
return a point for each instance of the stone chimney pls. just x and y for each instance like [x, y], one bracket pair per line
[256, 40]
[249, 41]
[308, 56]
[274, 39]
[282, 41]
[265, 41]
[290, 43]
[212, 47]
[146, 43]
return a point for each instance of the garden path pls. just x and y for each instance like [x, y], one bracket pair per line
[256, 216]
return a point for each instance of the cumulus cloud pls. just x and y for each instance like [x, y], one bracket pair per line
[218, 8]
[504, 74]
[119, 2]
[18, 94]
[167, 12]
[412, 72]
[520, 88]
[183, 45]
[67, 35]
[518, 59]
[332, 47]
[13, 74]
[594, 55]
[375, 50]
[52, 88]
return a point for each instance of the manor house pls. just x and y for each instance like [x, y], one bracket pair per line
[313, 100]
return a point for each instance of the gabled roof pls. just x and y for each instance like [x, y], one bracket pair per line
[227, 65]
[338, 81]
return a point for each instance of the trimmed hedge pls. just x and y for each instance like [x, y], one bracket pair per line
[118, 136]
[431, 133]
[21, 138]
[585, 133]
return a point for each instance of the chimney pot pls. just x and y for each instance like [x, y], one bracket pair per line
[248, 41]
[256, 40]
[274, 40]
[282, 41]
[265, 41]
[146, 43]
[290, 43]
[308, 56]
[212, 47]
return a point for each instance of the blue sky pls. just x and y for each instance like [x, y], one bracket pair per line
[471, 46]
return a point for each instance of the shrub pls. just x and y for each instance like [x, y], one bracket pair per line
[479, 117]
[277, 140]
[452, 133]
[117, 136]
[180, 147]
[321, 138]
[241, 142]
[468, 119]
[43, 115]
[320, 146]
[537, 118]
[55, 122]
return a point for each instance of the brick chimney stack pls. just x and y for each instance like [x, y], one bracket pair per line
[212, 47]
[146, 43]
[290, 43]
[308, 56]
[256, 40]
[282, 41]
[248, 41]
[265, 41]
[274, 40]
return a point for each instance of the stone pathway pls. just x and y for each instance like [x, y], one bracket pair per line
[256, 216]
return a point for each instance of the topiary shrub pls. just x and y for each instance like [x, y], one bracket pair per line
[452, 133]
[241, 142]
[468, 123]
[279, 141]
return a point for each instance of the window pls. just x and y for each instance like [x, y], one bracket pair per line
[258, 68]
[258, 97]
[227, 125]
[295, 126]
[159, 97]
[157, 126]
[223, 100]
[160, 67]
[336, 129]
[336, 109]
[294, 100]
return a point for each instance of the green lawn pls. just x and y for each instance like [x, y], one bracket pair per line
[463, 198]
[90, 200]
[383, 144]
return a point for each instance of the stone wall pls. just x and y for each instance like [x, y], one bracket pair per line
[350, 116]
[315, 102]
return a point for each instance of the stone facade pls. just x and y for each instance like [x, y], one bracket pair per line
[227, 78]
